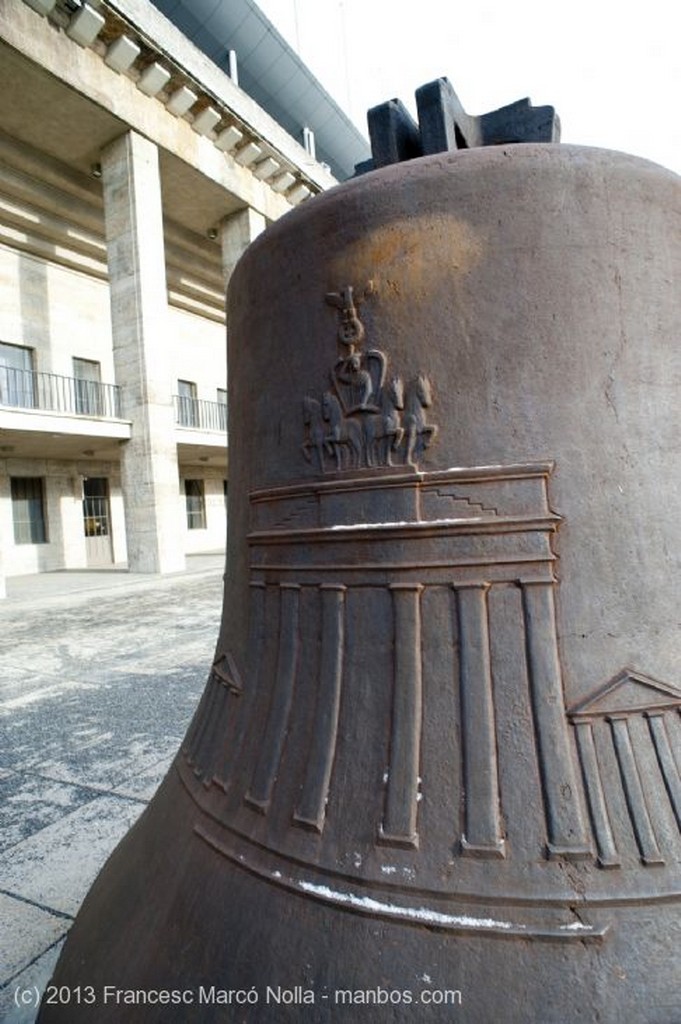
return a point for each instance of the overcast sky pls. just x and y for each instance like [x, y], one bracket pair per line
[611, 69]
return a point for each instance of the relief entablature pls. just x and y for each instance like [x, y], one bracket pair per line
[483, 497]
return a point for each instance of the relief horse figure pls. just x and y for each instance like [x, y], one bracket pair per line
[383, 431]
[315, 431]
[419, 434]
[342, 433]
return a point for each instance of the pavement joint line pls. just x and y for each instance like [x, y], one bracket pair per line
[88, 787]
[76, 785]
[98, 791]
[41, 645]
[38, 906]
[5, 984]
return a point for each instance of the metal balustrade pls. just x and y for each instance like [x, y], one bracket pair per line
[199, 414]
[30, 389]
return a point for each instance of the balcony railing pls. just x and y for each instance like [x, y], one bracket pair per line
[201, 415]
[29, 389]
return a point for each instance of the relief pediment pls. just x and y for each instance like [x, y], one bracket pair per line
[627, 692]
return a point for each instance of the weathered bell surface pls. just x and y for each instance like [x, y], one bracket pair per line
[435, 771]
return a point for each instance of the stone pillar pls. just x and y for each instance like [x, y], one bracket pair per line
[236, 233]
[5, 524]
[134, 238]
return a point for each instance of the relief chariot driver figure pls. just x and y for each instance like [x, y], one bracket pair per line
[356, 385]
[349, 371]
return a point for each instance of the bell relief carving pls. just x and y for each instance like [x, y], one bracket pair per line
[365, 418]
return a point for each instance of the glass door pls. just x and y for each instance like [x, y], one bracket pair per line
[97, 521]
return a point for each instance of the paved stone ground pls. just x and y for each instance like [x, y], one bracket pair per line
[99, 676]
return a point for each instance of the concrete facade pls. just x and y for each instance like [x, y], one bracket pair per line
[133, 173]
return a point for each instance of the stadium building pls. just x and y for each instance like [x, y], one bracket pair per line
[142, 147]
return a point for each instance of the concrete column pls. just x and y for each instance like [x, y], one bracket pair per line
[236, 233]
[5, 524]
[134, 238]
[69, 501]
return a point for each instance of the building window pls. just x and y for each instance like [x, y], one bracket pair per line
[196, 504]
[28, 510]
[16, 376]
[88, 393]
[96, 506]
[187, 407]
[225, 490]
[222, 408]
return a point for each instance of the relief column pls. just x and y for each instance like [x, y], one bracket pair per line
[483, 834]
[567, 834]
[402, 782]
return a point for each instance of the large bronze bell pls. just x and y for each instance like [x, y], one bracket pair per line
[435, 771]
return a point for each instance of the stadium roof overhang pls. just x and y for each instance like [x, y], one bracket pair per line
[272, 73]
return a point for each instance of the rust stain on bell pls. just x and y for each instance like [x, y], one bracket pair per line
[439, 747]
[410, 246]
